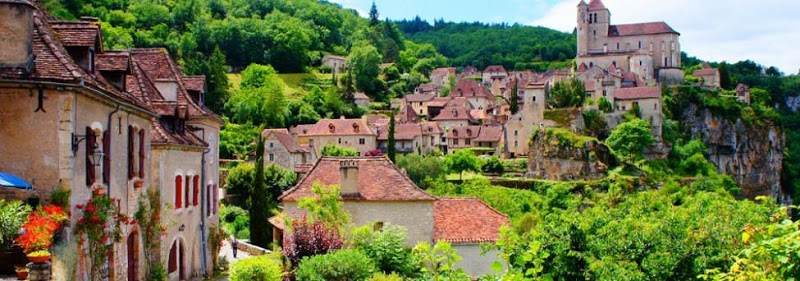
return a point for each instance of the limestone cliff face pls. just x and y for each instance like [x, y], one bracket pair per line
[751, 154]
[561, 155]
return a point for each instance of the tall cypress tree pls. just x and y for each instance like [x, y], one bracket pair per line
[513, 102]
[260, 230]
[390, 149]
[373, 15]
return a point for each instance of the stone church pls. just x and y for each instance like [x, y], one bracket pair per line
[651, 50]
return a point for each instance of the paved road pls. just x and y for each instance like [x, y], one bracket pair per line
[227, 252]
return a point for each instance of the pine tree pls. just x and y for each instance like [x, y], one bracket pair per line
[260, 229]
[390, 149]
[373, 15]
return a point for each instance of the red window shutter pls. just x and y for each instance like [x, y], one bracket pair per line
[91, 142]
[141, 154]
[196, 190]
[130, 152]
[186, 191]
[178, 195]
[107, 157]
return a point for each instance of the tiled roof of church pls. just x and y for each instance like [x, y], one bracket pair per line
[595, 5]
[378, 180]
[466, 220]
[635, 29]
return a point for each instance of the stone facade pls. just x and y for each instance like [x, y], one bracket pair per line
[337, 64]
[519, 126]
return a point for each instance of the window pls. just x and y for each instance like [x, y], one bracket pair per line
[196, 190]
[591, 64]
[178, 188]
[107, 157]
[131, 159]
[467, 142]
[534, 99]
[271, 145]
[617, 45]
[516, 132]
[604, 92]
[362, 141]
[186, 192]
[516, 143]
[340, 140]
[420, 103]
[91, 144]
[271, 157]
[455, 141]
[640, 44]
[402, 144]
[142, 153]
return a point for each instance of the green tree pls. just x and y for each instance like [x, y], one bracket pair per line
[605, 105]
[239, 184]
[422, 169]
[439, 261]
[461, 161]
[391, 151]
[513, 101]
[363, 64]
[629, 140]
[386, 247]
[260, 100]
[333, 150]
[236, 140]
[260, 229]
[373, 15]
[493, 165]
[595, 124]
[325, 207]
[568, 93]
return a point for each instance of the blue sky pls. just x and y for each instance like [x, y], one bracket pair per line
[767, 31]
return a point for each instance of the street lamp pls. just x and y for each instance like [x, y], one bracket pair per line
[96, 153]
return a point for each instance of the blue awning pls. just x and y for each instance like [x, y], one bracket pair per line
[9, 180]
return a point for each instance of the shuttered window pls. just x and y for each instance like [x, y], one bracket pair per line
[107, 157]
[91, 143]
[196, 190]
[178, 188]
[130, 152]
[141, 153]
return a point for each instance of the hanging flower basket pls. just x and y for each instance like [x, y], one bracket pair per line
[138, 183]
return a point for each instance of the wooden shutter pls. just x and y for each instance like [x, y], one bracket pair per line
[130, 152]
[90, 145]
[196, 190]
[107, 157]
[178, 195]
[141, 153]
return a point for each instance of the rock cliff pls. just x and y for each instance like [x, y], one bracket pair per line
[558, 154]
[751, 154]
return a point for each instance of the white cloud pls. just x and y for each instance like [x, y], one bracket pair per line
[732, 30]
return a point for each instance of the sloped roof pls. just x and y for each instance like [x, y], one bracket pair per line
[360, 96]
[443, 71]
[407, 115]
[378, 180]
[160, 135]
[495, 68]
[490, 134]
[706, 70]
[635, 93]
[636, 29]
[284, 137]
[78, 33]
[454, 113]
[195, 83]
[466, 220]
[470, 88]
[113, 61]
[420, 97]
[439, 102]
[464, 132]
[595, 5]
[336, 127]
[401, 132]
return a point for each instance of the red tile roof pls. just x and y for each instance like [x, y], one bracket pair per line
[466, 221]
[490, 134]
[464, 132]
[113, 61]
[336, 127]
[706, 70]
[438, 102]
[444, 71]
[636, 29]
[78, 33]
[284, 137]
[401, 132]
[635, 93]
[161, 135]
[378, 180]
[495, 68]
[407, 115]
[595, 5]
[470, 88]
[454, 113]
[195, 83]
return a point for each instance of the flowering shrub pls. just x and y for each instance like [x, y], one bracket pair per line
[100, 221]
[308, 239]
[40, 228]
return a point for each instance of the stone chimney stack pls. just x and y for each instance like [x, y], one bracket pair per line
[16, 34]
[348, 178]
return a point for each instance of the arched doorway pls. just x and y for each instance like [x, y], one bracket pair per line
[133, 257]
[181, 262]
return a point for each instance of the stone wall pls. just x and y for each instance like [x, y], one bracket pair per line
[473, 262]
[552, 157]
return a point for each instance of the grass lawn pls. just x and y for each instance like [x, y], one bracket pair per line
[467, 176]
[295, 85]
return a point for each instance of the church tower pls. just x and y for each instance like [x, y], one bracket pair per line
[583, 28]
[598, 20]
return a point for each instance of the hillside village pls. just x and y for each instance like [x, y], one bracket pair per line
[113, 166]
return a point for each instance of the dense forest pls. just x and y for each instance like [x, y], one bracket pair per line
[513, 46]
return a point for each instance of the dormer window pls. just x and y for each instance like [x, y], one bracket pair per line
[355, 127]
[331, 128]
[455, 112]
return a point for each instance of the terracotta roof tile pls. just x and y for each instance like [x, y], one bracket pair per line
[284, 137]
[420, 97]
[470, 88]
[595, 5]
[378, 180]
[113, 61]
[195, 83]
[438, 102]
[161, 135]
[443, 71]
[706, 70]
[635, 93]
[407, 115]
[336, 127]
[360, 96]
[635, 29]
[464, 132]
[401, 132]
[495, 68]
[450, 113]
[490, 134]
[466, 221]
[78, 33]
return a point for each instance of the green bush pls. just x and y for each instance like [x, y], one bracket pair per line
[386, 248]
[342, 265]
[384, 277]
[230, 213]
[493, 165]
[605, 105]
[261, 268]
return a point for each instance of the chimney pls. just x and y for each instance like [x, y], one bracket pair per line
[348, 178]
[16, 33]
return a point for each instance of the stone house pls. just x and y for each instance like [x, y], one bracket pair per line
[376, 192]
[708, 75]
[649, 101]
[435, 106]
[420, 102]
[600, 82]
[361, 99]
[337, 64]
[494, 75]
[353, 133]
[441, 76]
[454, 116]
[485, 136]
[651, 50]
[413, 138]
[183, 158]
[743, 93]
[427, 88]
[65, 125]
[280, 149]
[531, 115]
[407, 116]
[478, 96]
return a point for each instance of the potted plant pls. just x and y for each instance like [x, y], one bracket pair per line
[39, 230]
[138, 183]
[22, 272]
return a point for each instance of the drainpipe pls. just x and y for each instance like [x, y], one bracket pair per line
[108, 127]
